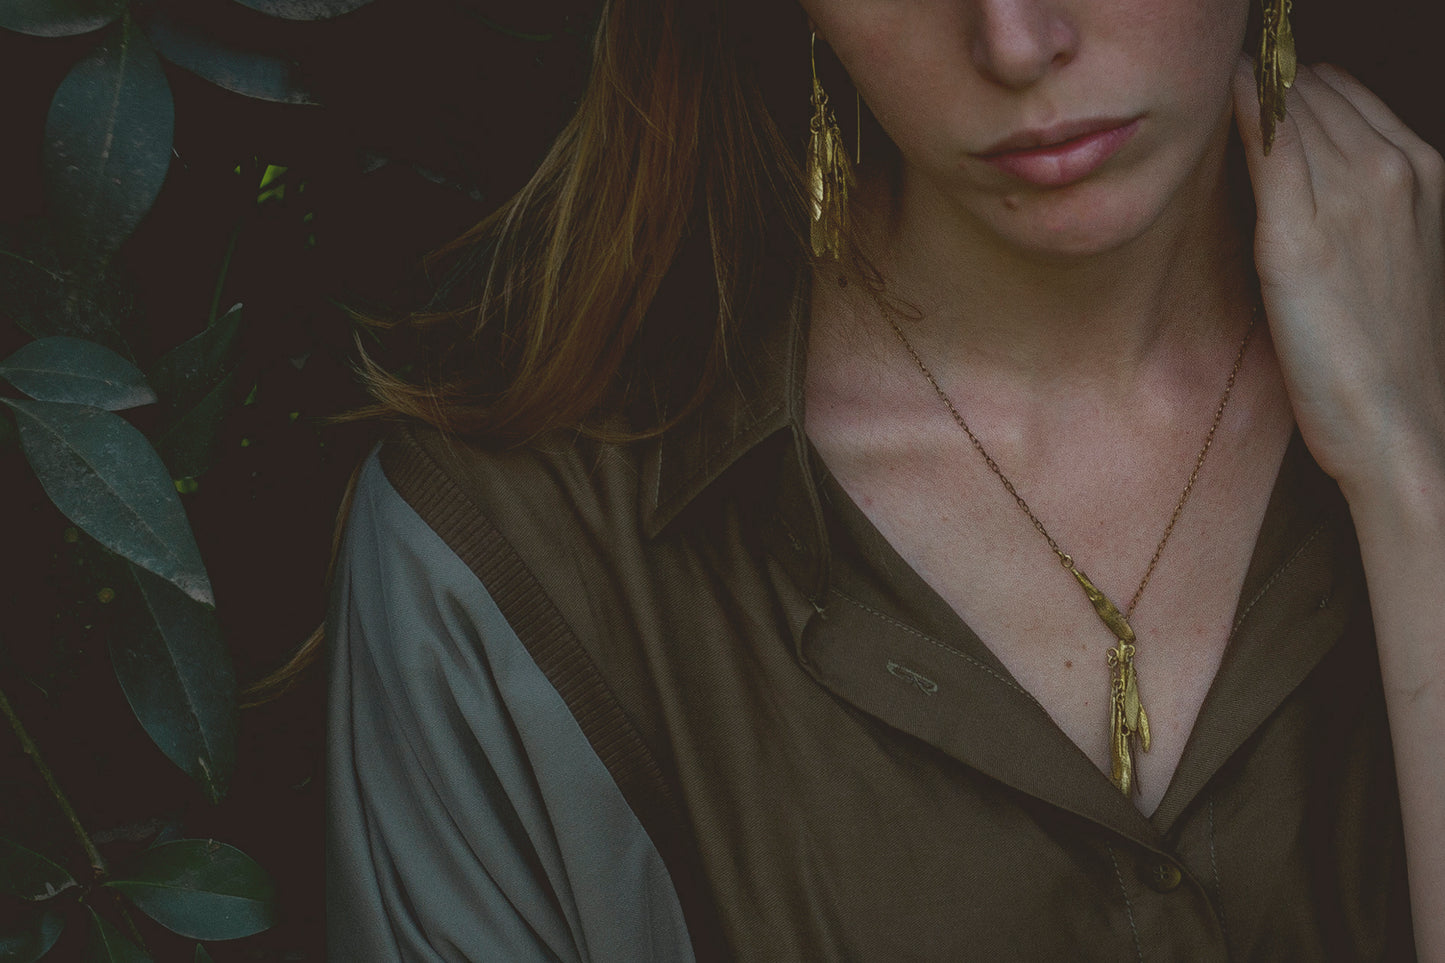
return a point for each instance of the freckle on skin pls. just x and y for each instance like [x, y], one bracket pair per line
[1068, 663]
[1010, 202]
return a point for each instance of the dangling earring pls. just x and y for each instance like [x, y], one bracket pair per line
[1275, 69]
[829, 176]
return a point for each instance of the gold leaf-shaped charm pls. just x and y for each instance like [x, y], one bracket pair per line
[1131, 698]
[1123, 763]
[1274, 70]
[1128, 722]
[1287, 64]
[1118, 753]
[829, 175]
[1107, 611]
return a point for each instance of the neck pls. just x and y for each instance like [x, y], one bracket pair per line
[1187, 281]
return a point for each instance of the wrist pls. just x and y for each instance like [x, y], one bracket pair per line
[1400, 485]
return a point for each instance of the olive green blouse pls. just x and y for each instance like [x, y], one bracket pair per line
[679, 699]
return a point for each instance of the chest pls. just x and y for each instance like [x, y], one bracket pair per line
[949, 517]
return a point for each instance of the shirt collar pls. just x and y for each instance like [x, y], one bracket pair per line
[756, 408]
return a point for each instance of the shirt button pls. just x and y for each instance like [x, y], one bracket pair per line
[1163, 876]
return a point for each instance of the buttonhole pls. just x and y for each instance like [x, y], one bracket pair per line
[925, 685]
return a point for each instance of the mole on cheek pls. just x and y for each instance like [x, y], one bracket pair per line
[1010, 202]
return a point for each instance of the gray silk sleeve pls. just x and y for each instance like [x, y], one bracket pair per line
[468, 818]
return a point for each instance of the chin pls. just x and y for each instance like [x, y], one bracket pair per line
[1087, 219]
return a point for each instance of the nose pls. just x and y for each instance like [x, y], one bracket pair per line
[1016, 42]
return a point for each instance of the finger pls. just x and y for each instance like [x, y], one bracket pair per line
[1382, 146]
[1281, 181]
[1326, 124]
[1423, 157]
[1350, 131]
[1371, 108]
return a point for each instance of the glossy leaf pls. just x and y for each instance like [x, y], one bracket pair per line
[46, 296]
[177, 676]
[37, 938]
[197, 384]
[108, 141]
[57, 18]
[106, 478]
[187, 373]
[76, 371]
[188, 445]
[202, 889]
[29, 875]
[304, 9]
[250, 73]
[107, 945]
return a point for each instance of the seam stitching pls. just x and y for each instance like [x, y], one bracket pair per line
[1269, 583]
[1218, 885]
[975, 663]
[1128, 904]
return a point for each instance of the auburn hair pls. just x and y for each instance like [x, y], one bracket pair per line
[679, 161]
[674, 143]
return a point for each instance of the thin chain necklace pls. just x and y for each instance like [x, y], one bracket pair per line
[1128, 722]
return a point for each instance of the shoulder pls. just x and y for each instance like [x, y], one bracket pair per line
[555, 489]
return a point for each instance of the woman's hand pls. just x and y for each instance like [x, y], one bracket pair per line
[1351, 261]
[1350, 250]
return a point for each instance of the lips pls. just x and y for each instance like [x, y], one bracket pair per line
[1060, 155]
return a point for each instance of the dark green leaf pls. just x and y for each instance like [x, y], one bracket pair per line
[202, 889]
[176, 673]
[105, 477]
[254, 74]
[41, 933]
[29, 875]
[107, 945]
[201, 955]
[171, 830]
[77, 371]
[188, 445]
[9, 438]
[108, 142]
[57, 18]
[187, 373]
[304, 9]
[45, 296]
[197, 384]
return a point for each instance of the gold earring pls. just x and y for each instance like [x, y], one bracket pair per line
[1275, 69]
[829, 176]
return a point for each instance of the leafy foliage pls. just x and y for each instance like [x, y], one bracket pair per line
[104, 475]
[58, 18]
[201, 888]
[169, 471]
[35, 939]
[177, 676]
[76, 371]
[29, 875]
[108, 143]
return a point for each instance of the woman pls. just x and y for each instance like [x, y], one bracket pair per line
[799, 675]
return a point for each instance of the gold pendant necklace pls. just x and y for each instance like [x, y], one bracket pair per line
[1128, 722]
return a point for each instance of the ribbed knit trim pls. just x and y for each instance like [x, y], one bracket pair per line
[443, 505]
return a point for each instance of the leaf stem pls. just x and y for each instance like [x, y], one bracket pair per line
[26, 261]
[97, 862]
[225, 270]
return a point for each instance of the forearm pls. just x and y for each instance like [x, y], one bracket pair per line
[1401, 528]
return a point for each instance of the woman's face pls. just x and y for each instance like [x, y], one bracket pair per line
[1061, 127]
